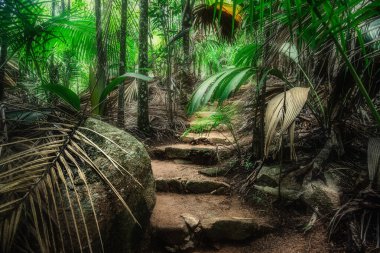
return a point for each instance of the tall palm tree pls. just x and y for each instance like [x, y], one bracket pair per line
[122, 62]
[101, 58]
[143, 91]
[3, 59]
[3, 51]
[53, 6]
[186, 25]
[63, 5]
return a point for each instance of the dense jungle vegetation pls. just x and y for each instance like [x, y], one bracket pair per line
[295, 83]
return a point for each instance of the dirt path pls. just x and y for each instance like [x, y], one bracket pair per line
[198, 213]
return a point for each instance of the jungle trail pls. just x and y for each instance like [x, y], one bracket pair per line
[229, 126]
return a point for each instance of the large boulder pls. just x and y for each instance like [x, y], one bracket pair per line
[119, 231]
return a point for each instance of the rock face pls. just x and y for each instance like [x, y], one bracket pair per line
[119, 232]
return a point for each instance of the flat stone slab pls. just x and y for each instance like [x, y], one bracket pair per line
[213, 171]
[197, 154]
[213, 137]
[179, 185]
[173, 169]
[232, 228]
[207, 186]
[204, 217]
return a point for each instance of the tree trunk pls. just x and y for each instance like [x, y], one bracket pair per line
[68, 4]
[53, 6]
[143, 92]
[3, 52]
[122, 62]
[101, 58]
[63, 7]
[3, 61]
[186, 25]
[169, 89]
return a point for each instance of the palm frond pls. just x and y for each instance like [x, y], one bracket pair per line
[374, 162]
[42, 168]
[220, 87]
[229, 20]
[281, 112]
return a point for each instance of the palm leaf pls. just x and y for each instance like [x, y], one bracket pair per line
[118, 81]
[374, 162]
[39, 166]
[65, 93]
[219, 87]
[281, 112]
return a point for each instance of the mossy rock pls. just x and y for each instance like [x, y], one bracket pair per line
[119, 231]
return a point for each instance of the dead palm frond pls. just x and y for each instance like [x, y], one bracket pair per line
[364, 209]
[204, 19]
[45, 165]
[281, 112]
[374, 162]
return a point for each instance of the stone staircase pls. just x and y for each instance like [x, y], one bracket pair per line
[196, 207]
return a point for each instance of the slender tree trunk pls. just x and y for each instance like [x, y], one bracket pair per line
[68, 4]
[101, 58]
[63, 6]
[53, 6]
[169, 87]
[3, 60]
[3, 54]
[143, 91]
[186, 25]
[122, 62]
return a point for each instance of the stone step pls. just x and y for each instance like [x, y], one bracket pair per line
[183, 222]
[191, 186]
[199, 154]
[204, 114]
[202, 120]
[213, 137]
[185, 178]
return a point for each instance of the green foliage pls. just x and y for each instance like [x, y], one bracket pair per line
[120, 80]
[73, 99]
[219, 87]
[65, 93]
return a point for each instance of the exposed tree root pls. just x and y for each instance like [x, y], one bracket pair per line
[250, 180]
[315, 167]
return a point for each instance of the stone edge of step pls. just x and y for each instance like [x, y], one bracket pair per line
[192, 230]
[191, 186]
[197, 155]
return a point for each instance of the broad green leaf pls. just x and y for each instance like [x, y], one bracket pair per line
[119, 80]
[198, 95]
[64, 93]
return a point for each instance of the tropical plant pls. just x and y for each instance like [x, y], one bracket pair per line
[122, 63]
[44, 156]
[335, 25]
